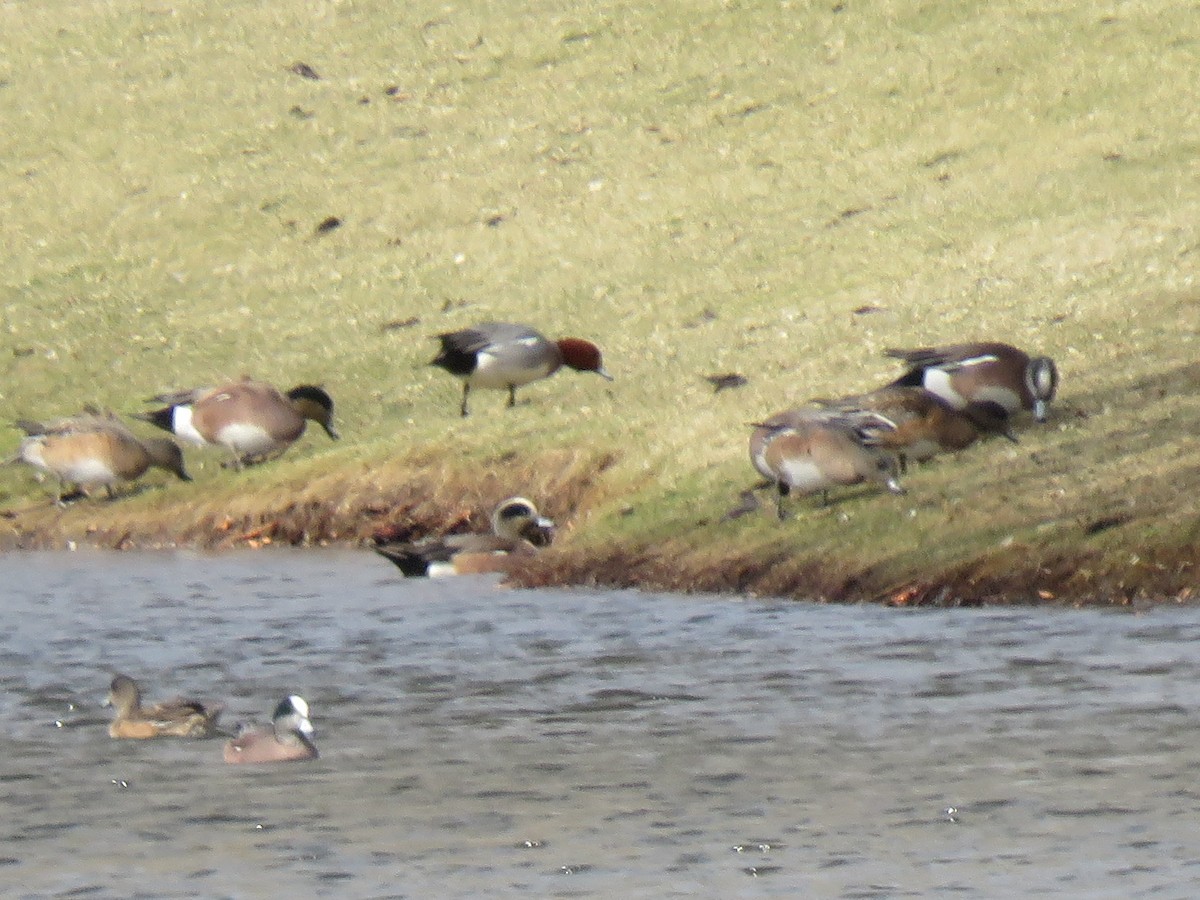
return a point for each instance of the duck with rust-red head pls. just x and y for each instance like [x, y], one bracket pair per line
[504, 356]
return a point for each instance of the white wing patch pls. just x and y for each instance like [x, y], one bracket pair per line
[937, 381]
[974, 361]
[181, 424]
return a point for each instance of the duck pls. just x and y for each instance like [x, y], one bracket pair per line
[518, 531]
[917, 423]
[506, 356]
[809, 450]
[289, 737]
[983, 370]
[252, 419]
[171, 718]
[92, 449]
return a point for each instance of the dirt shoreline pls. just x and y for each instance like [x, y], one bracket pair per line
[1161, 577]
[1143, 572]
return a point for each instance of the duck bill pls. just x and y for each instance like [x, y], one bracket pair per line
[540, 532]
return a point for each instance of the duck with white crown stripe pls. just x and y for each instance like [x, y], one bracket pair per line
[982, 371]
[985, 370]
[289, 737]
[518, 532]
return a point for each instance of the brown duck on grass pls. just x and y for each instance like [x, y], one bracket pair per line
[917, 424]
[809, 450]
[251, 419]
[984, 370]
[93, 449]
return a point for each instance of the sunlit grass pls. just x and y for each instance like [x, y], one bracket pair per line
[780, 189]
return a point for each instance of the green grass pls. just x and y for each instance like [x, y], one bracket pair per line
[700, 187]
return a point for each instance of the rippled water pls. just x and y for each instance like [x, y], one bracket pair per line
[478, 741]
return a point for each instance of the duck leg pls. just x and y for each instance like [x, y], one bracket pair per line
[257, 459]
[784, 490]
[512, 396]
[466, 391]
[65, 496]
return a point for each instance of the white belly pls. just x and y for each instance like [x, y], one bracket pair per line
[89, 471]
[803, 475]
[81, 471]
[247, 439]
[498, 373]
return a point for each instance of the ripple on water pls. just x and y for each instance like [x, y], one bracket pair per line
[482, 742]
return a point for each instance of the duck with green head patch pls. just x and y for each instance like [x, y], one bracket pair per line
[289, 737]
[251, 419]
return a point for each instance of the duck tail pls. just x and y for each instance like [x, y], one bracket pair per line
[162, 418]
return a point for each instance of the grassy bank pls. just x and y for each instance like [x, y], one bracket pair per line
[777, 189]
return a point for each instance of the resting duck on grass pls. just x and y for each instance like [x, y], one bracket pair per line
[918, 424]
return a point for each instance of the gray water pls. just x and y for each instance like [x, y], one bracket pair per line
[478, 741]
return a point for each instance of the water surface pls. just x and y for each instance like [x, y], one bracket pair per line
[480, 741]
